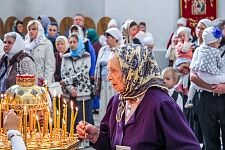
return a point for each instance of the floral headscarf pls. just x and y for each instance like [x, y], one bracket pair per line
[140, 72]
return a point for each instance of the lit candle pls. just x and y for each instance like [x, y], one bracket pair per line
[59, 104]
[58, 120]
[34, 119]
[84, 111]
[72, 116]
[65, 119]
[74, 119]
[39, 127]
[54, 109]
[45, 83]
[25, 124]
[50, 126]
[64, 129]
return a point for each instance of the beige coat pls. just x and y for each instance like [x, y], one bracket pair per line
[44, 59]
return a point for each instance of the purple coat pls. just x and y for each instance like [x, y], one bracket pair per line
[157, 124]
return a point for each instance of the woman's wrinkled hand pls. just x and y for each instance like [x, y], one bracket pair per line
[87, 131]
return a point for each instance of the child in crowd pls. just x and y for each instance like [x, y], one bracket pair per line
[171, 51]
[207, 61]
[184, 56]
[171, 78]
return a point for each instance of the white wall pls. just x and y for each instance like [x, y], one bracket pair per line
[160, 15]
[55, 8]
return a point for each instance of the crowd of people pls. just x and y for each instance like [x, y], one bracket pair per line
[117, 75]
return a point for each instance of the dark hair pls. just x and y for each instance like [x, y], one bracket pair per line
[142, 23]
[54, 24]
[107, 34]
[16, 22]
[132, 24]
[74, 28]
[74, 35]
[80, 15]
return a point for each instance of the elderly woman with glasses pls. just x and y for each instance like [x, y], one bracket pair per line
[142, 115]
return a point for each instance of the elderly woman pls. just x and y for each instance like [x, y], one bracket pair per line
[75, 74]
[62, 46]
[14, 61]
[41, 50]
[1, 48]
[142, 115]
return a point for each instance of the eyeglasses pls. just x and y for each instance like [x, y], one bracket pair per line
[8, 42]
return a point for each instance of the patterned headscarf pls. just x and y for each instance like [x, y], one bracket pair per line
[140, 72]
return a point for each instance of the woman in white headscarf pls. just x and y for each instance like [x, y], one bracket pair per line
[103, 86]
[41, 50]
[1, 48]
[15, 61]
[112, 24]
[202, 24]
[129, 30]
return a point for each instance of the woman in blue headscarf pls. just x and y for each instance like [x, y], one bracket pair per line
[75, 76]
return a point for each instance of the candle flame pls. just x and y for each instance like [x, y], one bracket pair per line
[64, 101]
[50, 120]
[45, 82]
[63, 121]
[57, 112]
[71, 104]
[76, 108]
[54, 93]
[59, 95]
[37, 118]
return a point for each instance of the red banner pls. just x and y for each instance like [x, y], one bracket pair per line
[195, 10]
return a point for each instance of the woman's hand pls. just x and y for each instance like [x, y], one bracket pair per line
[219, 88]
[63, 83]
[11, 120]
[87, 131]
[73, 92]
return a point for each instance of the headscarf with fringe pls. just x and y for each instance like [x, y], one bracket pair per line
[140, 72]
